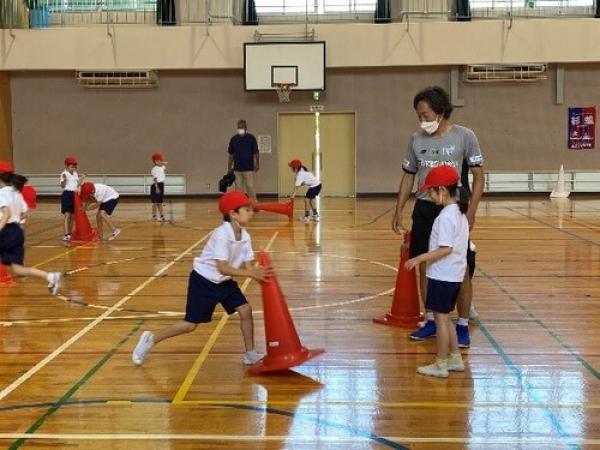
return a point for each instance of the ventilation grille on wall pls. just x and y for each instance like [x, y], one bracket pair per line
[130, 79]
[489, 73]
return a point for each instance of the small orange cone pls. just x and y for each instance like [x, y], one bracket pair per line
[6, 280]
[405, 312]
[286, 208]
[83, 231]
[284, 349]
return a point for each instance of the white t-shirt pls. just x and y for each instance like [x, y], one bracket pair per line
[450, 229]
[304, 177]
[104, 193]
[158, 172]
[222, 246]
[72, 183]
[12, 198]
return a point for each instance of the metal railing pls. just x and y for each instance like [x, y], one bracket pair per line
[540, 181]
[126, 184]
[56, 13]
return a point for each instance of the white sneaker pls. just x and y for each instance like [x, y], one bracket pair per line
[114, 234]
[142, 348]
[55, 282]
[66, 237]
[436, 369]
[315, 217]
[455, 363]
[251, 358]
[473, 314]
[305, 219]
[154, 219]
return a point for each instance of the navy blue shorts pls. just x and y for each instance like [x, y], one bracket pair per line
[66, 202]
[313, 192]
[109, 206]
[157, 195]
[441, 295]
[12, 245]
[204, 295]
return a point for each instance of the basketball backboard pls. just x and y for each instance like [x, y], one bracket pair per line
[299, 64]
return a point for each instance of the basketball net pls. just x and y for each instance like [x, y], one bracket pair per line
[283, 92]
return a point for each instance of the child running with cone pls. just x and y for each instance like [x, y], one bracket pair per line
[228, 253]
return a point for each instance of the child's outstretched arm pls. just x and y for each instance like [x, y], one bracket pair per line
[431, 256]
[257, 273]
[91, 204]
[295, 191]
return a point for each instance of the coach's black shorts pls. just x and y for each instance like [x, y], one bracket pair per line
[423, 216]
[471, 260]
[441, 295]
[157, 195]
[204, 295]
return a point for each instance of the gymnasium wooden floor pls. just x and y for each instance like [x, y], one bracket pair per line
[532, 378]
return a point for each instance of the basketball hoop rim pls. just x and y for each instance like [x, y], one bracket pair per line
[283, 91]
[284, 86]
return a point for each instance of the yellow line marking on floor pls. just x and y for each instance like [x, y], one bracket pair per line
[193, 372]
[23, 378]
[390, 405]
[539, 441]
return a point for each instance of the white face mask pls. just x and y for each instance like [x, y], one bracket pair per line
[430, 127]
[241, 131]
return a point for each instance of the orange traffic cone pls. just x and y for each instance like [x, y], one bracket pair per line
[405, 311]
[284, 349]
[286, 208]
[83, 231]
[6, 280]
[30, 196]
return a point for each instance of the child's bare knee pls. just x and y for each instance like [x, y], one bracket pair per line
[245, 311]
[189, 327]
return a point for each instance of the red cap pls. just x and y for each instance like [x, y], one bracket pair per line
[158, 157]
[86, 189]
[30, 196]
[6, 167]
[70, 161]
[233, 200]
[295, 163]
[440, 176]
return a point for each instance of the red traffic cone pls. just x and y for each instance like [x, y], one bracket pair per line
[83, 231]
[405, 312]
[284, 349]
[6, 280]
[286, 208]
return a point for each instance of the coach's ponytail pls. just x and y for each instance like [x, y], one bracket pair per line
[462, 198]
